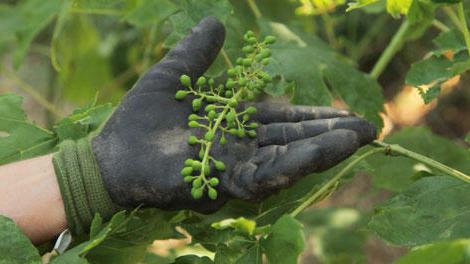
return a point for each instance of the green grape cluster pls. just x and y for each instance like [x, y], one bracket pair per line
[220, 117]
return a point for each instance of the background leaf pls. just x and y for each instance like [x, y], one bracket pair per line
[432, 209]
[453, 252]
[15, 247]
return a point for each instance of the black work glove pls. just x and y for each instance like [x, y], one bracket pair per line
[143, 146]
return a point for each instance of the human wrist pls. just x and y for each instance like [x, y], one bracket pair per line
[82, 189]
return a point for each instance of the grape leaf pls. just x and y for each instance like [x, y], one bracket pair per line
[285, 241]
[20, 139]
[398, 7]
[148, 12]
[192, 11]
[448, 60]
[453, 252]
[396, 173]
[432, 209]
[82, 122]
[193, 259]
[320, 74]
[34, 16]
[15, 247]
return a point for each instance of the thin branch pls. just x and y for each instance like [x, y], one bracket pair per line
[254, 8]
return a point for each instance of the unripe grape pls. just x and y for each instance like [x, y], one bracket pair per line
[241, 132]
[253, 125]
[211, 115]
[211, 81]
[196, 165]
[192, 139]
[196, 193]
[201, 81]
[265, 61]
[201, 153]
[270, 39]
[230, 83]
[251, 40]
[188, 179]
[230, 117]
[193, 124]
[232, 103]
[212, 193]
[186, 171]
[185, 80]
[197, 183]
[207, 169]
[209, 136]
[189, 162]
[266, 53]
[231, 72]
[248, 49]
[214, 181]
[197, 104]
[258, 57]
[251, 110]
[219, 165]
[249, 34]
[251, 133]
[209, 108]
[267, 78]
[246, 117]
[239, 61]
[233, 131]
[180, 95]
[247, 62]
[228, 94]
[222, 140]
[250, 96]
[242, 81]
[193, 117]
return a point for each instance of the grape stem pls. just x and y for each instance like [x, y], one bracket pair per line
[387, 149]
[395, 45]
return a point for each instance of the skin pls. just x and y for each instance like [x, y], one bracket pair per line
[28, 189]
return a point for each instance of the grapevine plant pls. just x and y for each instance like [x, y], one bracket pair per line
[429, 179]
[221, 116]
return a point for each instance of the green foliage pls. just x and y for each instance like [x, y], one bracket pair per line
[20, 139]
[15, 247]
[453, 252]
[433, 209]
[324, 77]
[104, 45]
[448, 60]
[285, 241]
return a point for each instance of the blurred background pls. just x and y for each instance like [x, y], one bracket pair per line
[100, 48]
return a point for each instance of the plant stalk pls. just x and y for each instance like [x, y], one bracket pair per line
[391, 149]
[395, 45]
[333, 181]
[254, 8]
[463, 27]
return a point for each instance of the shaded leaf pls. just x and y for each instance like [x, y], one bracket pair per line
[285, 241]
[326, 74]
[453, 252]
[15, 247]
[148, 12]
[20, 139]
[432, 209]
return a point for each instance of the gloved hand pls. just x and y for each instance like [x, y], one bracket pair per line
[137, 157]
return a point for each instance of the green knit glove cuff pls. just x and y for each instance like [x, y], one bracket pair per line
[81, 186]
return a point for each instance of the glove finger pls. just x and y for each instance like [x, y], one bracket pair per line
[284, 133]
[271, 112]
[192, 56]
[278, 166]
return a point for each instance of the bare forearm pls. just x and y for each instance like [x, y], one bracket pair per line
[29, 195]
